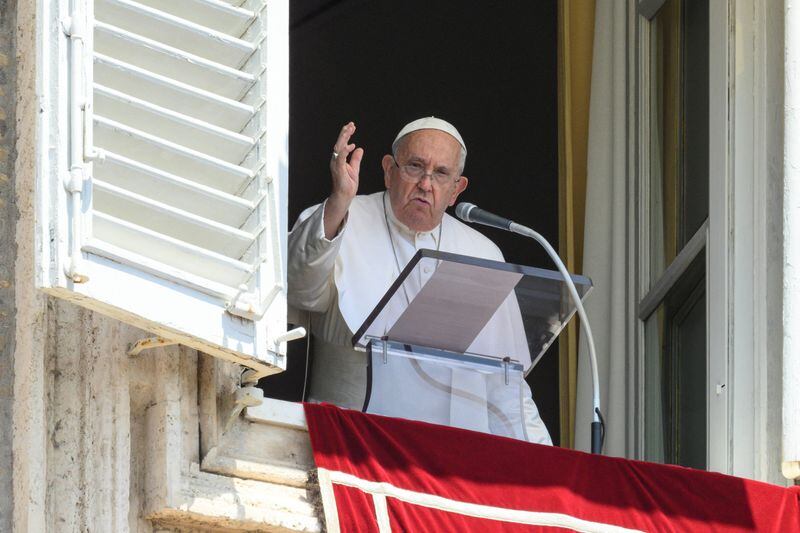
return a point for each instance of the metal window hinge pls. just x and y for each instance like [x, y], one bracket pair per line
[73, 27]
[252, 375]
[73, 184]
[242, 304]
[71, 271]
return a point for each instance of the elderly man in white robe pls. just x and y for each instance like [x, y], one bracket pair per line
[345, 252]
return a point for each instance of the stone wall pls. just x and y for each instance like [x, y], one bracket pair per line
[768, 388]
[29, 461]
[8, 215]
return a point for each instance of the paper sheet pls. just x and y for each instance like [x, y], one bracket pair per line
[454, 306]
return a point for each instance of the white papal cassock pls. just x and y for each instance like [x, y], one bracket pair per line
[341, 280]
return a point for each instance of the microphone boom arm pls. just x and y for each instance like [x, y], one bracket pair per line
[472, 213]
[596, 418]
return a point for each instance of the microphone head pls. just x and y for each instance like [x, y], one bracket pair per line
[463, 209]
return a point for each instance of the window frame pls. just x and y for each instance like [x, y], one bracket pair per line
[710, 239]
[745, 84]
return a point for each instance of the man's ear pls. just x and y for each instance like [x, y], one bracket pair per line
[387, 163]
[461, 184]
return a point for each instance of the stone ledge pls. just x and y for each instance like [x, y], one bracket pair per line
[220, 503]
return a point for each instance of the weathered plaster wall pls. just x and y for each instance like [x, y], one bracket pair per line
[790, 372]
[8, 215]
[87, 420]
[28, 425]
[768, 384]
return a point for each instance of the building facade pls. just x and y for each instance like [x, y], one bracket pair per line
[126, 370]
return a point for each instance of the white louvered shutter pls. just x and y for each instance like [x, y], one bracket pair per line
[169, 195]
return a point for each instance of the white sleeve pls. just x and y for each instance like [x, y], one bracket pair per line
[534, 426]
[311, 261]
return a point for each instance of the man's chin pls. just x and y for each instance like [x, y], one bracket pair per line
[417, 221]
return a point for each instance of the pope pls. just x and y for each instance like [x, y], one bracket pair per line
[346, 252]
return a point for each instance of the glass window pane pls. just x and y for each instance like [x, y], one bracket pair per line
[675, 374]
[678, 109]
[654, 386]
[695, 117]
[690, 388]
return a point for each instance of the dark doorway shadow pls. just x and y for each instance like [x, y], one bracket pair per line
[487, 67]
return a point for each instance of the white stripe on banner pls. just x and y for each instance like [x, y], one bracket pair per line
[328, 500]
[382, 513]
[468, 509]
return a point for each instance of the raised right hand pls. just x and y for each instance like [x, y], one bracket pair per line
[344, 173]
[344, 179]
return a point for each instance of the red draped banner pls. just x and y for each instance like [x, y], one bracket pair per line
[385, 474]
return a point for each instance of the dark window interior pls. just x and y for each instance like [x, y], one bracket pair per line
[695, 117]
[487, 67]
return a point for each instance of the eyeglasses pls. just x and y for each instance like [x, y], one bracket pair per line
[414, 172]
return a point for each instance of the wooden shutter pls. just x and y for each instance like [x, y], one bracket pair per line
[175, 158]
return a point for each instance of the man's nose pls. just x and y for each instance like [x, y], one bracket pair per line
[425, 182]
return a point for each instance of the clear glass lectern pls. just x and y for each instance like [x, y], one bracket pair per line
[453, 338]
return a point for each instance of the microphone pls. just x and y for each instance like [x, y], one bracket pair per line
[472, 213]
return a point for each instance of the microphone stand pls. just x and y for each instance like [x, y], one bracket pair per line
[597, 433]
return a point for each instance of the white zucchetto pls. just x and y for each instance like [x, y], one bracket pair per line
[429, 123]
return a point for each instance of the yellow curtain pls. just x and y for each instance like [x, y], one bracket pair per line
[575, 40]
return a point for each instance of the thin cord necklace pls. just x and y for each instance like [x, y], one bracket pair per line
[394, 250]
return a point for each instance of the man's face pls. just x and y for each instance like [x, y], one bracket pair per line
[420, 204]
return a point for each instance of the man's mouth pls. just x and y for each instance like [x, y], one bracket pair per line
[420, 201]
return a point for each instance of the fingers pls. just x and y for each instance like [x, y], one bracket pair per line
[355, 159]
[340, 147]
[342, 150]
[344, 173]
